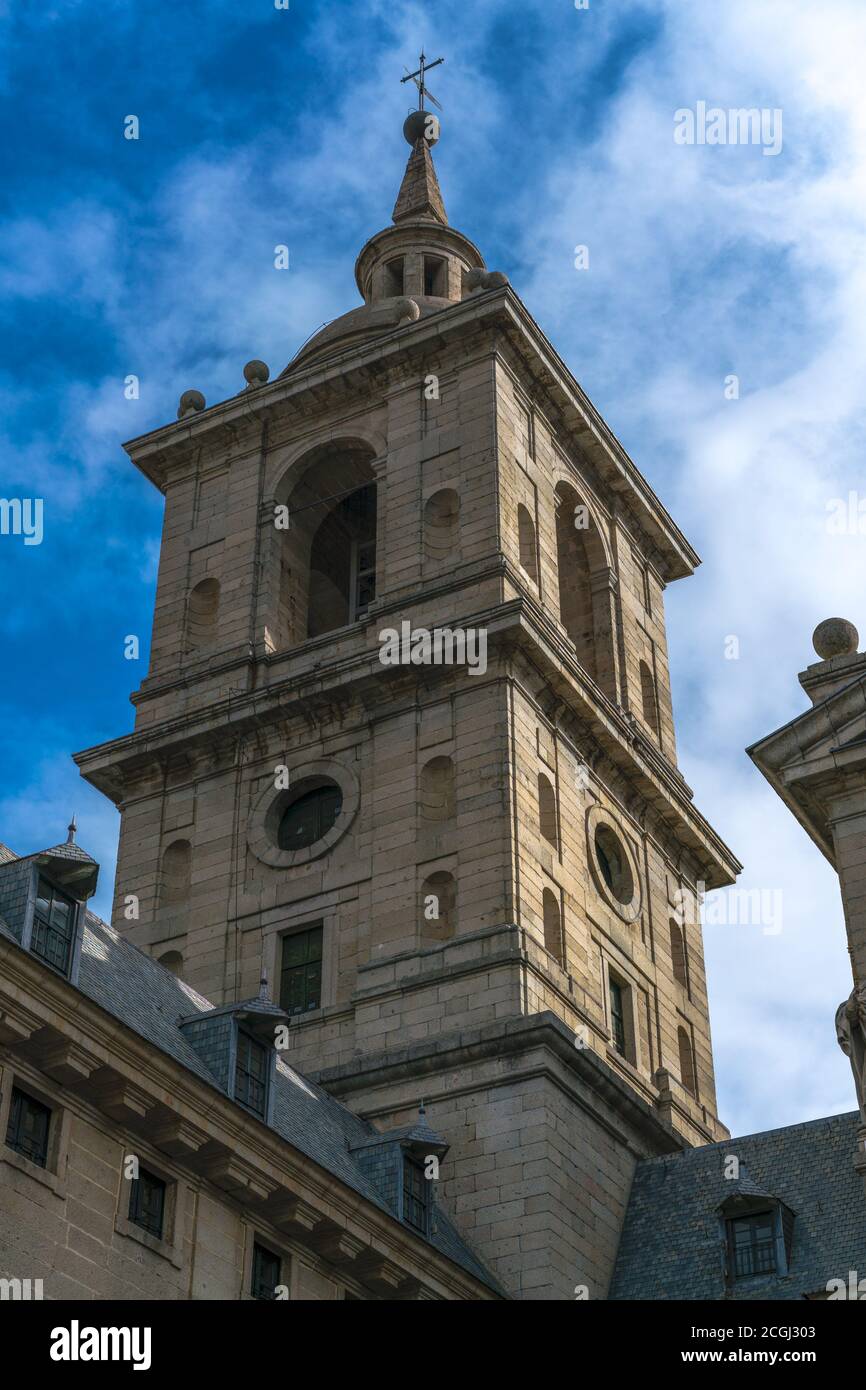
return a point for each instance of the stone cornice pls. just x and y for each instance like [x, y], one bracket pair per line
[335, 376]
[519, 623]
[512, 1039]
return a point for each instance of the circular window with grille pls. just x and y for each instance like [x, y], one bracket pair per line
[291, 825]
[613, 864]
[309, 816]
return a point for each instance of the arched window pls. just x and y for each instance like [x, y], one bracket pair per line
[203, 614]
[553, 926]
[437, 790]
[584, 607]
[173, 961]
[343, 563]
[441, 525]
[438, 908]
[649, 702]
[176, 869]
[526, 538]
[309, 816]
[325, 562]
[687, 1062]
[678, 954]
[547, 811]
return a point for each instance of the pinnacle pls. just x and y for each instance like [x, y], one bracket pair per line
[419, 195]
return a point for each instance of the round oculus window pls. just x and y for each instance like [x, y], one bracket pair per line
[614, 865]
[309, 816]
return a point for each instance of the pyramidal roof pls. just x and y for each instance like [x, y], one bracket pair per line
[420, 197]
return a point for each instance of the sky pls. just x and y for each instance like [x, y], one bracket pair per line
[261, 126]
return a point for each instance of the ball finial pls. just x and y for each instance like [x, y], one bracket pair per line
[256, 373]
[421, 123]
[835, 637]
[191, 402]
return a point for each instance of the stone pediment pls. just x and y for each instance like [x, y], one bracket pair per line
[821, 754]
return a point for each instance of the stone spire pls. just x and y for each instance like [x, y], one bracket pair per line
[420, 198]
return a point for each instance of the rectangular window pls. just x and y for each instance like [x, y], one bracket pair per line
[363, 577]
[647, 596]
[524, 429]
[266, 1272]
[301, 974]
[752, 1245]
[415, 1189]
[29, 1123]
[251, 1074]
[53, 927]
[394, 278]
[147, 1203]
[617, 1017]
[434, 277]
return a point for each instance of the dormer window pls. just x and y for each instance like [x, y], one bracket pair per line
[416, 1194]
[251, 1074]
[53, 932]
[402, 1164]
[758, 1232]
[752, 1244]
[236, 1042]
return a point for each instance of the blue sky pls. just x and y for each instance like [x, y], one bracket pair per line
[260, 126]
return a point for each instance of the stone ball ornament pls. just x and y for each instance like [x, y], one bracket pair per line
[256, 373]
[420, 124]
[406, 310]
[478, 280]
[835, 637]
[191, 402]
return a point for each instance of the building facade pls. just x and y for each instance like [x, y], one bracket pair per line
[403, 830]
[156, 1147]
[406, 746]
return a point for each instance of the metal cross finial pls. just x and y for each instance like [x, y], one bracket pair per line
[418, 78]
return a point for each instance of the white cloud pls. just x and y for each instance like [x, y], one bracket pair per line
[706, 261]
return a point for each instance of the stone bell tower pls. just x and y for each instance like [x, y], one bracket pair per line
[470, 866]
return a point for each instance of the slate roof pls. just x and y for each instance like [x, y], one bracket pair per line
[147, 998]
[671, 1243]
[419, 1133]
